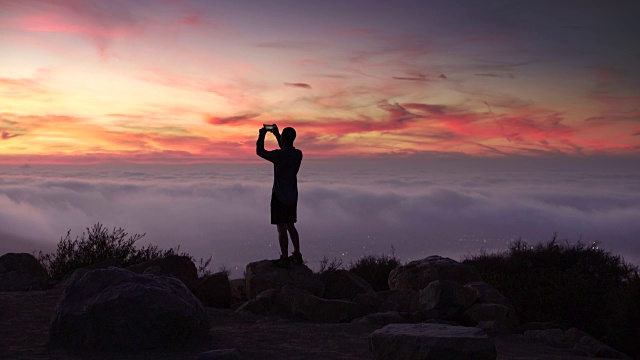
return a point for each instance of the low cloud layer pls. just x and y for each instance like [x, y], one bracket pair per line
[223, 211]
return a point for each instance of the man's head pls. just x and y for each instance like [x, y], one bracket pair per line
[288, 135]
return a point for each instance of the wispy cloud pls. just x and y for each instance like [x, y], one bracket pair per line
[232, 120]
[411, 78]
[510, 76]
[298, 85]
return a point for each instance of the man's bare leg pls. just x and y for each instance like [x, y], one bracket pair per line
[295, 238]
[283, 239]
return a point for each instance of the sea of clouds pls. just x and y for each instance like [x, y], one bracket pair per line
[345, 210]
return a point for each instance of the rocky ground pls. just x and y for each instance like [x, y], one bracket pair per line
[25, 316]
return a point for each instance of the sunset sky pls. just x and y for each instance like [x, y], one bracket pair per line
[192, 81]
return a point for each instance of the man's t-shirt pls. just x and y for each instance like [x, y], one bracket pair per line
[286, 163]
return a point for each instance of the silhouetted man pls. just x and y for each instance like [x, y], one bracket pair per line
[284, 195]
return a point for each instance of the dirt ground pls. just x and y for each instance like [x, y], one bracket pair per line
[25, 316]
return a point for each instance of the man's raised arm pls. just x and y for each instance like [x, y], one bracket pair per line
[260, 151]
[276, 133]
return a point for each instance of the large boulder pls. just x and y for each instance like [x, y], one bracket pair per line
[418, 274]
[213, 290]
[406, 300]
[449, 298]
[264, 275]
[344, 285]
[22, 272]
[431, 341]
[116, 309]
[176, 265]
[301, 302]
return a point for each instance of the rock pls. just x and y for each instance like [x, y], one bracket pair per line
[598, 349]
[449, 298]
[78, 273]
[493, 327]
[323, 310]
[301, 302]
[252, 306]
[22, 272]
[75, 275]
[431, 341]
[213, 290]
[266, 298]
[418, 274]
[552, 337]
[384, 318]
[176, 265]
[534, 325]
[385, 294]
[344, 285]
[419, 316]
[487, 294]
[408, 300]
[573, 336]
[492, 312]
[116, 309]
[389, 306]
[260, 305]
[264, 275]
[238, 291]
[366, 304]
[221, 354]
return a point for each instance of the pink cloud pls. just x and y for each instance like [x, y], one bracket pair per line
[231, 120]
[100, 22]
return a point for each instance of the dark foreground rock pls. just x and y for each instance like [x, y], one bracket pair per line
[431, 341]
[416, 275]
[116, 309]
[213, 290]
[301, 302]
[25, 318]
[22, 272]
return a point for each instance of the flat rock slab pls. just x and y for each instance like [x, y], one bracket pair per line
[431, 341]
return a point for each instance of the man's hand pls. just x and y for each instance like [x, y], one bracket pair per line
[262, 131]
[275, 130]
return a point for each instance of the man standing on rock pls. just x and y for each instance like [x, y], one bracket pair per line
[284, 195]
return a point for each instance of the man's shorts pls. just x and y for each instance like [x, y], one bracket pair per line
[282, 213]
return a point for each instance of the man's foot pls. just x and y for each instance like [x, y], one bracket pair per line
[296, 258]
[283, 262]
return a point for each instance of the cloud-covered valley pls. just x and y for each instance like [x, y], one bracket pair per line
[344, 211]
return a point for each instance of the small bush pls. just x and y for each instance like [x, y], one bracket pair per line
[375, 269]
[204, 267]
[98, 244]
[330, 265]
[569, 284]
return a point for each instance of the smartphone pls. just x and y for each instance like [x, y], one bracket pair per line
[269, 127]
